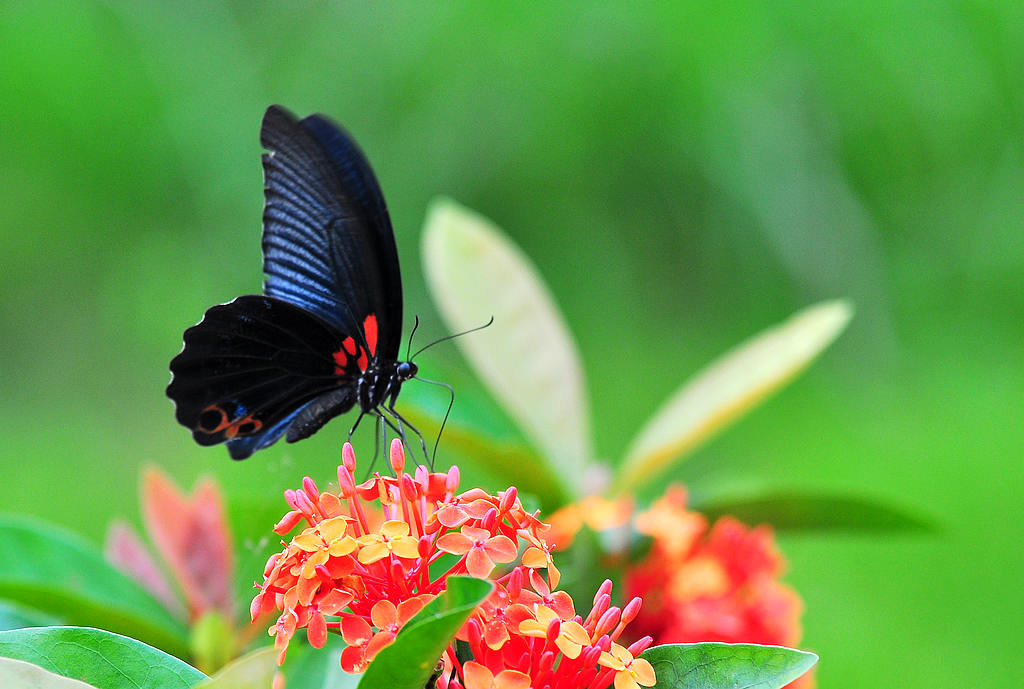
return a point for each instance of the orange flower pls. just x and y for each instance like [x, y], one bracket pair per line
[569, 636]
[538, 556]
[717, 584]
[393, 538]
[350, 574]
[596, 512]
[630, 672]
[479, 677]
[480, 548]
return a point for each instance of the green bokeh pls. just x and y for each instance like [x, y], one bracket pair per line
[684, 174]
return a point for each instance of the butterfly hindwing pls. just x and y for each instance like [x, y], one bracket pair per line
[251, 366]
[328, 245]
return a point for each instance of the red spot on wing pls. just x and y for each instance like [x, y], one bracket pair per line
[340, 359]
[370, 330]
[349, 344]
[363, 360]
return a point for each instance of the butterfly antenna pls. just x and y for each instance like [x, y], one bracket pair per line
[408, 347]
[451, 402]
[452, 337]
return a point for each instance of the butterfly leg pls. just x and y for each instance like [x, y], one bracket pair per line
[402, 424]
[355, 425]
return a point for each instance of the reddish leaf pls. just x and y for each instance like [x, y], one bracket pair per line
[126, 551]
[192, 535]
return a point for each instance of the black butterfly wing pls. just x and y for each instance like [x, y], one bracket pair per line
[328, 245]
[258, 367]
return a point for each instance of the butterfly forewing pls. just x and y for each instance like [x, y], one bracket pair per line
[328, 245]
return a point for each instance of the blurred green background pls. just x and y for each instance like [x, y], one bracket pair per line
[684, 174]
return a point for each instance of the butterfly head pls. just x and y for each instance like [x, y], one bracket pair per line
[406, 370]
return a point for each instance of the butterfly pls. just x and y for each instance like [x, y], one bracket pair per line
[324, 335]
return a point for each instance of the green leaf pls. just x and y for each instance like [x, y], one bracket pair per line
[527, 357]
[726, 666]
[409, 662]
[317, 668]
[103, 659]
[56, 572]
[730, 386]
[17, 674]
[254, 670]
[795, 510]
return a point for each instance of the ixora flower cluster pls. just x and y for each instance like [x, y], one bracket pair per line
[710, 583]
[699, 581]
[361, 567]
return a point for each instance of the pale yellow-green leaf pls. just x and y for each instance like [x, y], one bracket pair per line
[527, 358]
[254, 670]
[730, 386]
[18, 674]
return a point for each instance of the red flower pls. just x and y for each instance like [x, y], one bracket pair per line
[480, 548]
[717, 585]
[364, 578]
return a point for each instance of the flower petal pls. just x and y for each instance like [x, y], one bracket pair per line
[644, 672]
[393, 528]
[407, 547]
[373, 552]
[477, 676]
[355, 630]
[501, 549]
[316, 630]
[454, 543]
[478, 564]
[383, 614]
[512, 679]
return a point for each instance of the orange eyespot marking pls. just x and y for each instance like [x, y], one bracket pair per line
[349, 344]
[212, 419]
[370, 330]
[243, 426]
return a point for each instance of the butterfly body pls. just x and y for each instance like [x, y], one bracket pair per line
[324, 336]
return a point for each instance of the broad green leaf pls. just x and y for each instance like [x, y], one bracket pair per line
[726, 666]
[57, 572]
[527, 357]
[254, 670]
[103, 659]
[409, 662]
[728, 387]
[17, 674]
[807, 511]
